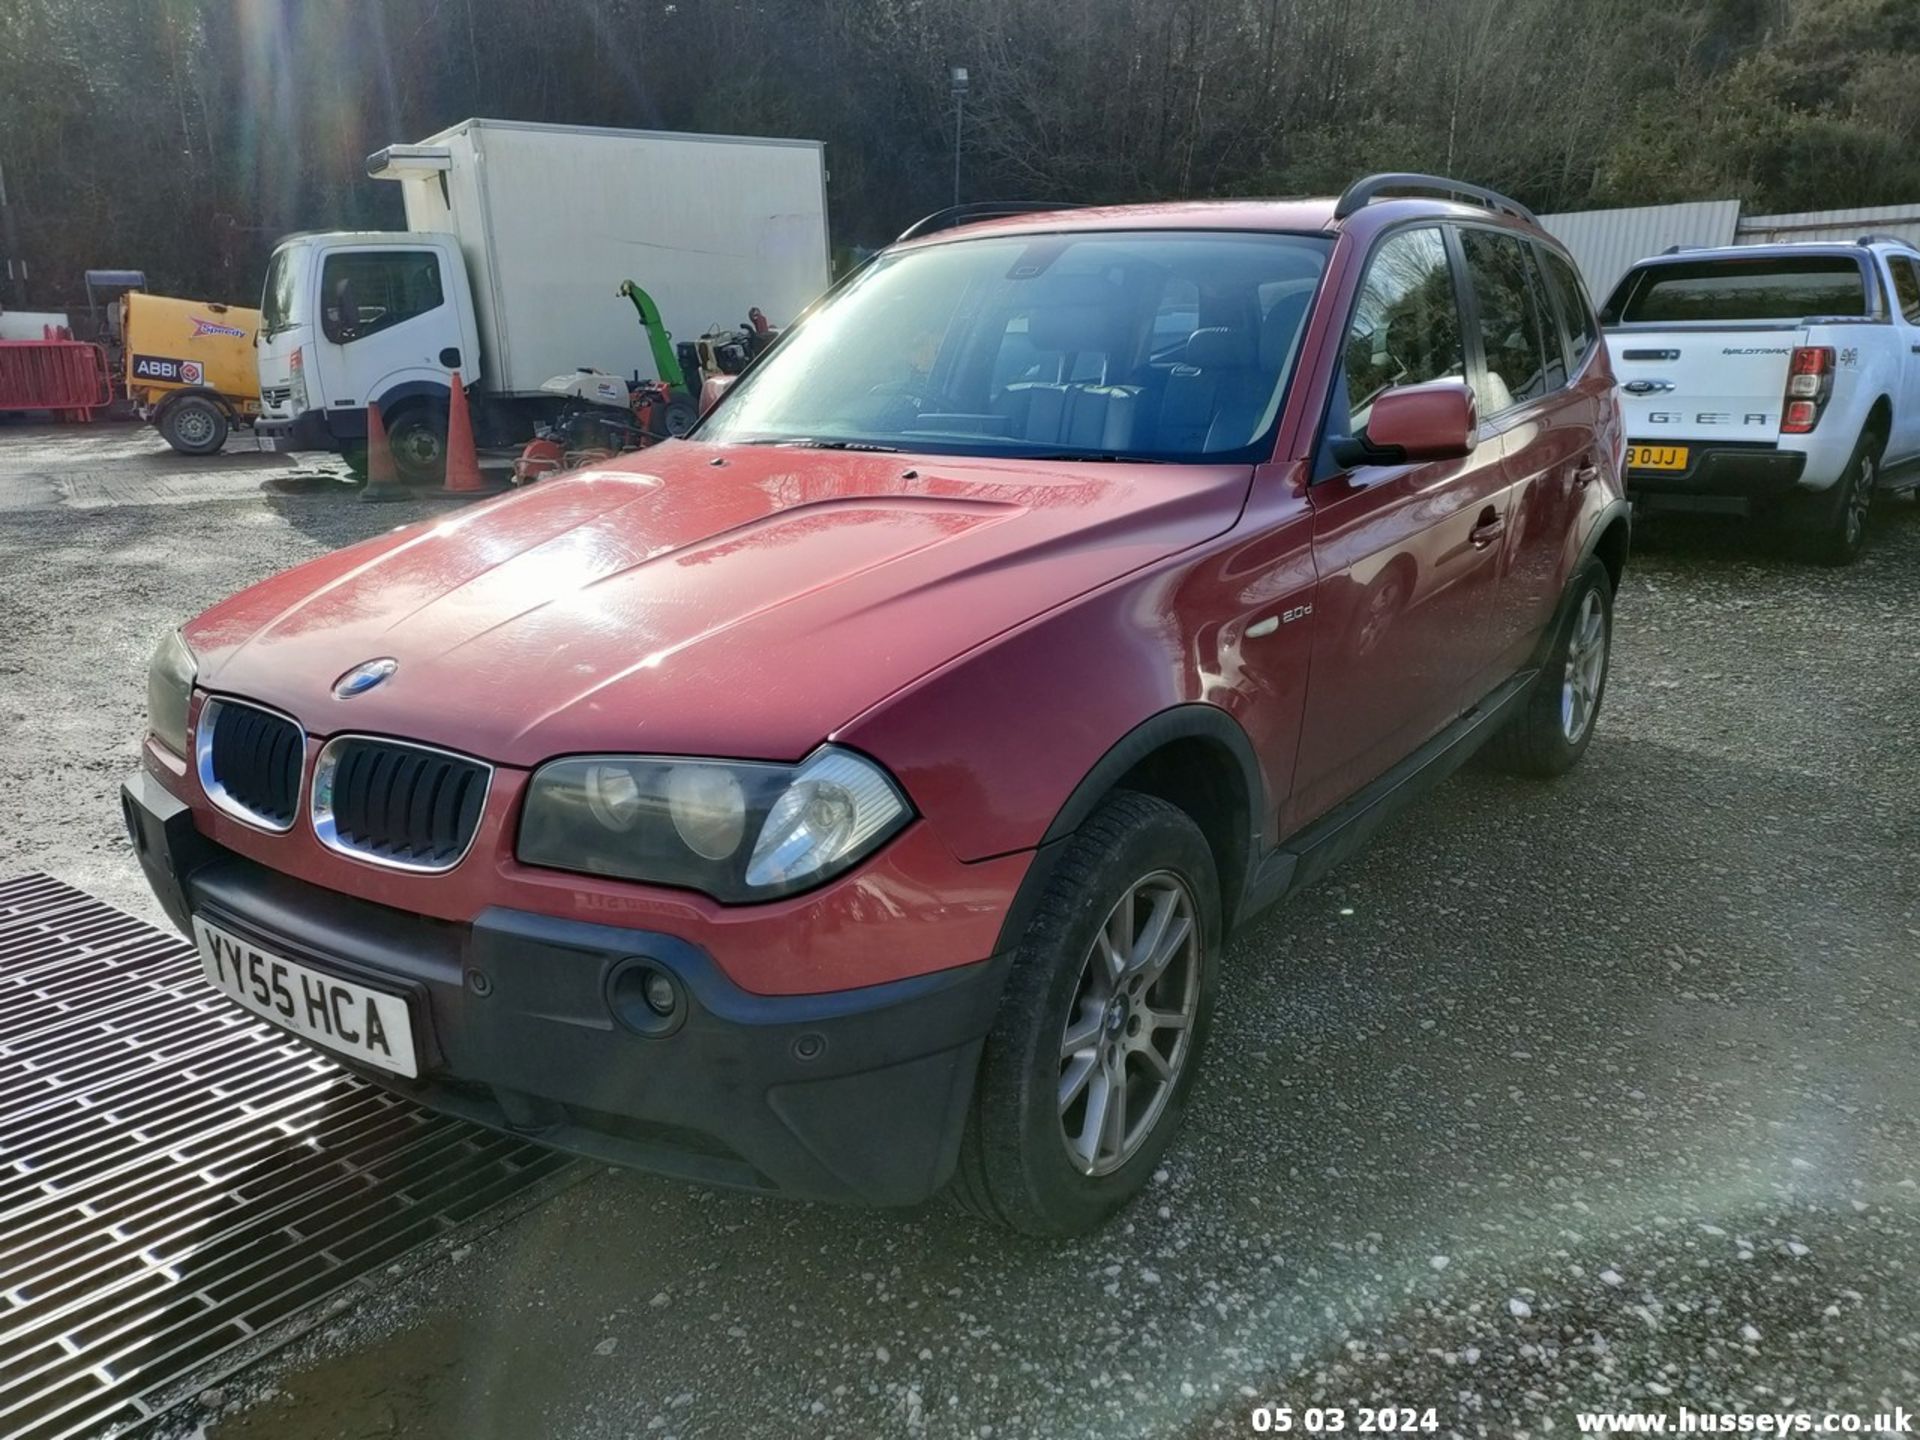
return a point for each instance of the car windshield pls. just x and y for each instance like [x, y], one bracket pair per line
[1148, 345]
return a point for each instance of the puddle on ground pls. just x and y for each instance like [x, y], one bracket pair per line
[446, 1379]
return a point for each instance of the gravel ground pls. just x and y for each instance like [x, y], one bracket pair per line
[1593, 1095]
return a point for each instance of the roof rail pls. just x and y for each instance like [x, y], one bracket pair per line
[956, 215]
[1871, 239]
[1363, 191]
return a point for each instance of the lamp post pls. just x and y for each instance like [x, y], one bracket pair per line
[958, 76]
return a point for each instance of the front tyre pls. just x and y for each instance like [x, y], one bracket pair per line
[417, 438]
[1555, 722]
[1084, 1078]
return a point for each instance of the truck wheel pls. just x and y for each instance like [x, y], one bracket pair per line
[1555, 722]
[1840, 515]
[1085, 1074]
[193, 425]
[417, 436]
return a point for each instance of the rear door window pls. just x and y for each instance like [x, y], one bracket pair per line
[1513, 334]
[1733, 289]
[1576, 310]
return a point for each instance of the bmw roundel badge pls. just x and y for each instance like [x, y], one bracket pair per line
[364, 676]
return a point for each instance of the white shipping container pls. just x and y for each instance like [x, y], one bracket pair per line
[551, 218]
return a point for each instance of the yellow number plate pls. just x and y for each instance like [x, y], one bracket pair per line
[1656, 457]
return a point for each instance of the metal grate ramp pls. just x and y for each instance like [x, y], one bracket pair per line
[175, 1176]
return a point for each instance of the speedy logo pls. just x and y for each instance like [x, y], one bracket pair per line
[211, 327]
[161, 367]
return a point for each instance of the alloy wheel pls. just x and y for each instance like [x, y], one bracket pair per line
[1586, 667]
[1130, 1026]
[195, 427]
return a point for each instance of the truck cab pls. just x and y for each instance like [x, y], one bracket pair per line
[350, 319]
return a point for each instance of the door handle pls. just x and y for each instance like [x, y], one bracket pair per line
[1585, 475]
[1490, 529]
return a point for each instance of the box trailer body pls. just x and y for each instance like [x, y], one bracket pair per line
[518, 236]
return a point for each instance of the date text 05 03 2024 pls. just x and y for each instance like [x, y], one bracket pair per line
[1335, 1419]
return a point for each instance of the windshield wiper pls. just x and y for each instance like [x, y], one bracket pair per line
[1104, 457]
[817, 442]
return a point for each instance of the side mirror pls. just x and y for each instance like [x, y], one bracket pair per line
[712, 388]
[1434, 421]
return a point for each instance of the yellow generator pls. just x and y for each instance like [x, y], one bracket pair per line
[190, 368]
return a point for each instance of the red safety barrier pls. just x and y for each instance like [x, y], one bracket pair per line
[64, 375]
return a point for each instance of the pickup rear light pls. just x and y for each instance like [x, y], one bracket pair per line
[1809, 386]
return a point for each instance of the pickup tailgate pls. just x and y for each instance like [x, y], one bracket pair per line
[1703, 384]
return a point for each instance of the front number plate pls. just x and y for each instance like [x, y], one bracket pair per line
[370, 1025]
[1656, 457]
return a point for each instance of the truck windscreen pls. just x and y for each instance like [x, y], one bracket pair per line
[1767, 287]
[278, 295]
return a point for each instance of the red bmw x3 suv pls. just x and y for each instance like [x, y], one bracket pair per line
[853, 798]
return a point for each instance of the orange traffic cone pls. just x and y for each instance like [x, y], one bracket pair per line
[383, 481]
[463, 461]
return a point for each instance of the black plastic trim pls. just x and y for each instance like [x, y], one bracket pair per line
[850, 1095]
[1195, 720]
[1741, 471]
[1338, 834]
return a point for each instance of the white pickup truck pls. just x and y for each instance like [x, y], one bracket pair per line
[1781, 381]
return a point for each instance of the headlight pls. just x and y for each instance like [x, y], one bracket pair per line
[736, 830]
[169, 687]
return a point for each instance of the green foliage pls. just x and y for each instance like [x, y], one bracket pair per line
[184, 136]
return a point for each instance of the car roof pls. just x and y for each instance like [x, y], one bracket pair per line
[1277, 216]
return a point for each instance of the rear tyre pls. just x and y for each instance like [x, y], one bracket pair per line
[1084, 1078]
[1556, 720]
[417, 436]
[1839, 516]
[194, 425]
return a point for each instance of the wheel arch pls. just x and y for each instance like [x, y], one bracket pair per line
[195, 392]
[413, 392]
[1196, 757]
[1610, 541]
[1880, 418]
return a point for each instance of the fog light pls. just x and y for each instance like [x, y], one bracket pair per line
[647, 999]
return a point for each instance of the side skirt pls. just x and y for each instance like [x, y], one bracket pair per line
[1308, 854]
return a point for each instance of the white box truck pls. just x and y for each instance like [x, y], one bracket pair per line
[518, 237]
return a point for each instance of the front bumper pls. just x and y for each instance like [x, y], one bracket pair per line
[522, 1023]
[1720, 477]
[309, 430]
